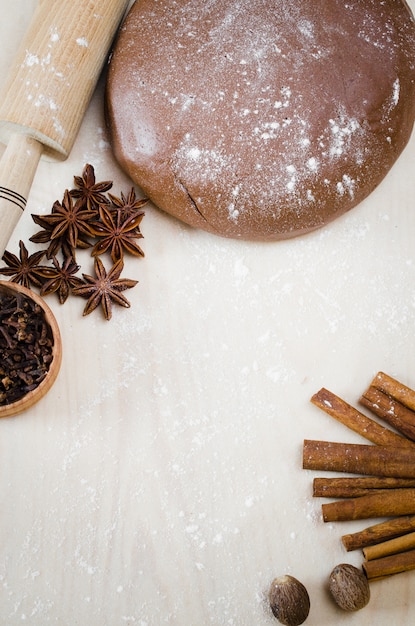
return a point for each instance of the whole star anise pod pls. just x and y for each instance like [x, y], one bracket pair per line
[69, 220]
[105, 288]
[128, 206]
[57, 244]
[60, 279]
[25, 268]
[116, 234]
[88, 191]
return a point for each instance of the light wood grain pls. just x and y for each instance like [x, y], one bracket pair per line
[18, 167]
[159, 481]
[49, 86]
[56, 69]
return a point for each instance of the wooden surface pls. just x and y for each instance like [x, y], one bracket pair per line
[160, 481]
[42, 103]
[42, 92]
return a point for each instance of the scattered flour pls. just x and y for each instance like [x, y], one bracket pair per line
[83, 42]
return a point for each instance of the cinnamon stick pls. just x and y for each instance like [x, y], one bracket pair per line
[357, 421]
[390, 411]
[359, 459]
[395, 389]
[392, 546]
[387, 504]
[379, 532]
[389, 565]
[356, 486]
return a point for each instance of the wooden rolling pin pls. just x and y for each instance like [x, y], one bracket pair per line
[48, 90]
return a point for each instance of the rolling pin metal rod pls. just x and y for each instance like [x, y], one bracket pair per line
[47, 91]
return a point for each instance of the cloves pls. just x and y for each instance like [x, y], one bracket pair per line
[26, 346]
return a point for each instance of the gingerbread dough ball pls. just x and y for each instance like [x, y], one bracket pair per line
[261, 119]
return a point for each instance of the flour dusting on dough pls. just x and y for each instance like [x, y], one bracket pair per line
[274, 106]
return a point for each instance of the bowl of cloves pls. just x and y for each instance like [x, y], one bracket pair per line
[30, 348]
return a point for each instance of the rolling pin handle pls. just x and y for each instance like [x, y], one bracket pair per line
[17, 170]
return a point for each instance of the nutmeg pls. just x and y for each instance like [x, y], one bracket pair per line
[349, 587]
[289, 600]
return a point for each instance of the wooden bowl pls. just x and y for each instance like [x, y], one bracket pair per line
[33, 396]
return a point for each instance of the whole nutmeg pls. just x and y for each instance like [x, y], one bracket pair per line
[289, 600]
[349, 587]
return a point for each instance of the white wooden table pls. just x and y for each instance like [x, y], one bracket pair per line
[160, 481]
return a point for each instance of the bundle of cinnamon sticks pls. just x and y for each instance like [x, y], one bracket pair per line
[382, 484]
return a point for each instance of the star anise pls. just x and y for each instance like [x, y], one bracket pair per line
[89, 191]
[128, 205]
[69, 220]
[116, 234]
[58, 244]
[23, 270]
[60, 279]
[105, 288]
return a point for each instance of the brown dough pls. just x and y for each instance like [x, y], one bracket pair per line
[261, 119]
